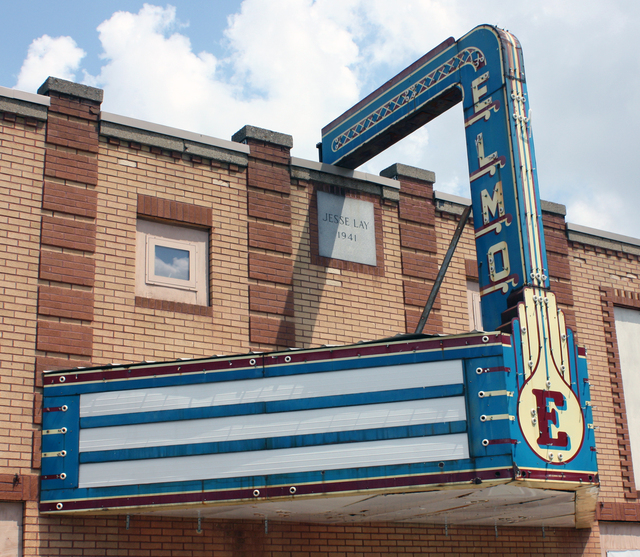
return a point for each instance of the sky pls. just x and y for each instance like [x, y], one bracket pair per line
[292, 66]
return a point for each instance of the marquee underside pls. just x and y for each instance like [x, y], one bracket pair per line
[509, 504]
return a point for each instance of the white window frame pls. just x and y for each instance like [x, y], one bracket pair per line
[150, 268]
[151, 233]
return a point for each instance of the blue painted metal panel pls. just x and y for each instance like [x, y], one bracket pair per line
[486, 380]
[319, 360]
[61, 430]
[536, 411]
[496, 446]
[234, 489]
[393, 352]
[484, 70]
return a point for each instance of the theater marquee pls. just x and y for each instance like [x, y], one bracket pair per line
[426, 429]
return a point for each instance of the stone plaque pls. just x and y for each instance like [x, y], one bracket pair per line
[346, 229]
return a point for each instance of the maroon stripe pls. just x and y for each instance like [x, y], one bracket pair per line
[502, 442]
[559, 475]
[275, 359]
[280, 491]
[141, 371]
[492, 369]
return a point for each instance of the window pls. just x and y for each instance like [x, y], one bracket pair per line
[172, 263]
[628, 333]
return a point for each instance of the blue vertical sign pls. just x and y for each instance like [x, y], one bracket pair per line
[484, 69]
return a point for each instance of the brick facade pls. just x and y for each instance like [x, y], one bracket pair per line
[73, 186]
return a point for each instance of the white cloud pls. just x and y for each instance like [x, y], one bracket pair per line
[294, 65]
[151, 72]
[173, 267]
[288, 70]
[403, 30]
[300, 62]
[600, 210]
[47, 56]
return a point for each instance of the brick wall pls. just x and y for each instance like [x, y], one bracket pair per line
[135, 182]
[70, 201]
[601, 278]
[340, 302]
[21, 159]
[271, 320]
[68, 227]
[150, 536]
[559, 264]
[418, 245]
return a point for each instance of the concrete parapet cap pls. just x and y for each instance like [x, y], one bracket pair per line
[450, 198]
[449, 203]
[575, 232]
[551, 207]
[396, 170]
[600, 238]
[24, 104]
[444, 199]
[346, 173]
[251, 132]
[147, 133]
[24, 96]
[58, 85]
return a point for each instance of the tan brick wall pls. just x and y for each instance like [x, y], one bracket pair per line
[313, 305]
[151, 536]
[126, 331]
[341, 305]
[453, 294]
[21, 161]
[593, 269]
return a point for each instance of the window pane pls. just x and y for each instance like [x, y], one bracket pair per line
[172, 263]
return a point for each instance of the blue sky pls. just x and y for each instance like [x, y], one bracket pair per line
[294, 65]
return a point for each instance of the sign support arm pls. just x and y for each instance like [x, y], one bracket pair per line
[443, 269]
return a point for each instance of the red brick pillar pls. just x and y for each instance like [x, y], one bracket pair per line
[417, 217]
[557, 244]
[270, 249]
[68, 239]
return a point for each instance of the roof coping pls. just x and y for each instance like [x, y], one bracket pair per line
[252, 132]
[551, 207]
[24, 96]
[398, 169]
[173, 132]
[344, 172]
[600, 234]
[58, 85]
[24, 104]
